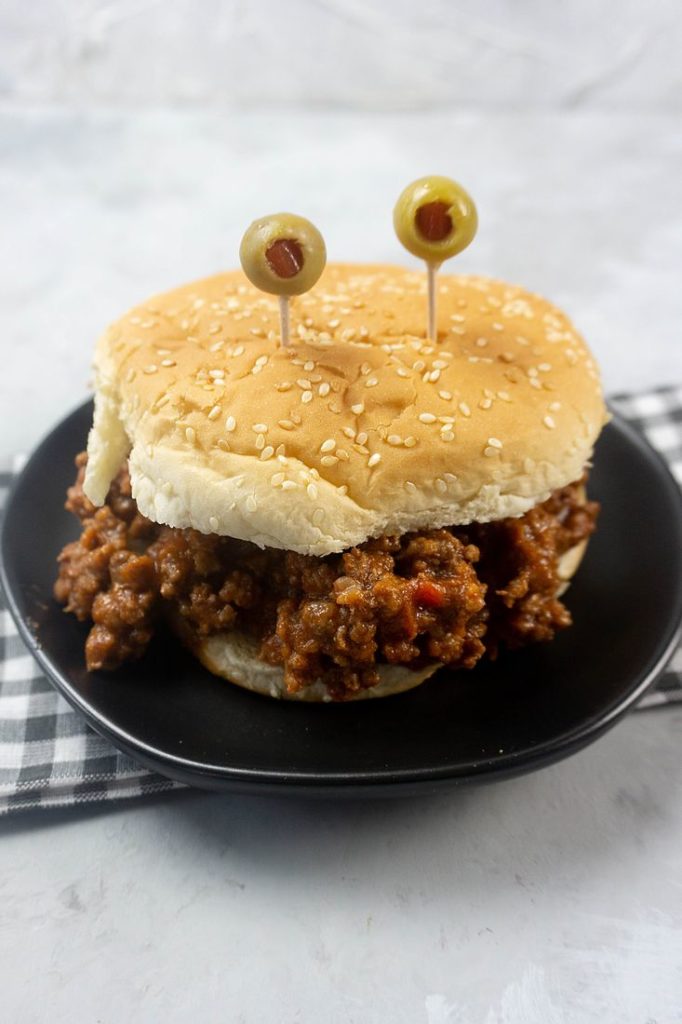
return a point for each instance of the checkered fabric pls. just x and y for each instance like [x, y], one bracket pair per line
[49, 757]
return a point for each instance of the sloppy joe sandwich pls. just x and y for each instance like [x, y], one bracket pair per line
[338, 517]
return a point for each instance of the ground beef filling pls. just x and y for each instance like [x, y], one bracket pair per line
[448, 595]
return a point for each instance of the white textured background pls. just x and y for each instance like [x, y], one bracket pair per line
[359, 54]
[137, 140]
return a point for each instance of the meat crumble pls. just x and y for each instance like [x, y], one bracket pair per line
[449, 595]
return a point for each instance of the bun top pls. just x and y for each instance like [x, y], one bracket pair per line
[361, 426]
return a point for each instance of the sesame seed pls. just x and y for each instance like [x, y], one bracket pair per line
[481, 342]
[485, 403]
[284, 385]
[230, 424]
[328, 446]
[358, 408]
[504, 395]
[285, 424]
[402, 372]
[447, 435]
[280, 449]
[262, 360]
[555, 406]
[441, 486]
[289, 485]
[251, 503]
[260, 428]
[309, 365]
[464, 409]
[311, 490]
[216, 374]
[549, 422]
[323, 389]
[435, 375]
[374, 460]
[349, 432]
[365, 369]
[498, 327]
[190, 434]
[544, 367]
[304, 383]
[152, 368]
[329, 460]
[371, 382]
[445, 395]
[334, 407]
[531, 371]
[394, 439]
[410, 487]
[238, 351]
[260, 441]
[419, 365]
[489, 452]
[214, 413]
[494, 442]
[440, 364]
[361, 437]
[267, 453]
[333, 324]
[427, 417]
[306, 396]
[342, 454]
[168, 362]
[277, 479]
[535, 383]
[410, 441]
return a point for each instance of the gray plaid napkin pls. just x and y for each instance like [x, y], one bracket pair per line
[49, 757]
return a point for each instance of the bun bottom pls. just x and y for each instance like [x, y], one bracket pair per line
[234, 656]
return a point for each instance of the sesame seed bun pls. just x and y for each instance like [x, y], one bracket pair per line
[234, 656]
[360, 427]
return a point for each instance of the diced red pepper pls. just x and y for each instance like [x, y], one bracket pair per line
[428, 594]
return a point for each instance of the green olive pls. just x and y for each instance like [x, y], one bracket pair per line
[435, 218]
[283, 254]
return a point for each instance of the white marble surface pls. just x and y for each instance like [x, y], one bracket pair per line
[360, 54]
[549, 899]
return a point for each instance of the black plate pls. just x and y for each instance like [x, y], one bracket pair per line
[526, 710]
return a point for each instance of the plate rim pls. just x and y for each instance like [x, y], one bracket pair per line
[248, 779]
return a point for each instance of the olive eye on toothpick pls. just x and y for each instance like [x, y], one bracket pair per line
[434, 218]
[284, 255]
